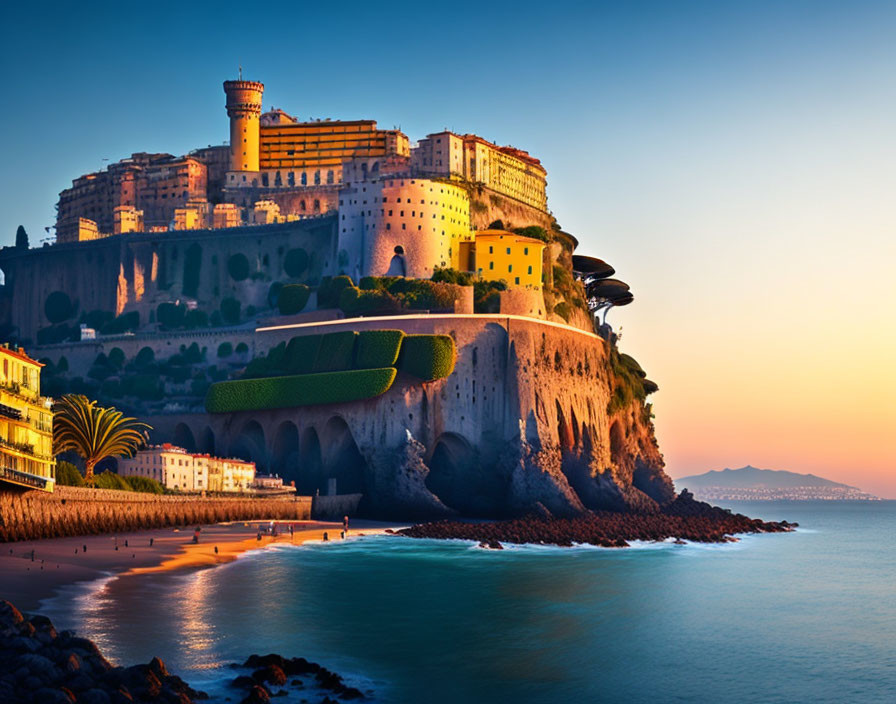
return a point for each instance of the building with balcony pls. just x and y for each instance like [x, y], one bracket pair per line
[26, 424]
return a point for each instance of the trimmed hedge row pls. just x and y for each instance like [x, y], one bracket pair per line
[428, 357]
[377, 348]
[335, 351]
[298, 390]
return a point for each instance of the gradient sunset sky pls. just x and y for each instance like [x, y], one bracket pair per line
[734, 161]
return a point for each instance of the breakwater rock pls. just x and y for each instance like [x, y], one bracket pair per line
[40, 666]
[71, 511]
[683, 519]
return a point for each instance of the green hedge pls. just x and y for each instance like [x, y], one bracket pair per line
[296, 262]
[335, 352]
[377, 348]
[298, 390]
[238, 267]
[293, 298]
[68, 475]
[301, 353]
[145, 485]
[58, 307]
[428, 357]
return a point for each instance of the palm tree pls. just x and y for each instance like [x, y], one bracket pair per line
[94, 432]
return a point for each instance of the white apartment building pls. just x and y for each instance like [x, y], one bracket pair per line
[175, 468]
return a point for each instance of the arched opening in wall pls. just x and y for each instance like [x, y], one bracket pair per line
[249, 445]
[285, 452]
[398, 265]
[564, 432]
[343, 461]
[207, 441]
[310, 477]
[183, 437]
[456, 477]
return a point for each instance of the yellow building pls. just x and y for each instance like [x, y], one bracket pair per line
[26, 423]
[500, 255]
[226, 215]
[126, 218]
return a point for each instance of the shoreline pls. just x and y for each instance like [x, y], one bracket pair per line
[61, 562]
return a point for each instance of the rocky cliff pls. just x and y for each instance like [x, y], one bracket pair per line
[536, 416]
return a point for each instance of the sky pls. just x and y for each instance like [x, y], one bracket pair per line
[734, 161]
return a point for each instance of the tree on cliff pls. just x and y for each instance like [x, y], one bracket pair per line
[93, 432]
[21, 238]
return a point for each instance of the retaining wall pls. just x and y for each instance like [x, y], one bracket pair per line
[73, 511]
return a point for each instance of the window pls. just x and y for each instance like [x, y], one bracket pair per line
[388, 225]
[526, 250]
[509, 268]
[530, 269]
[491, 265]
[491, 250]
[508, 250]
[517, 279]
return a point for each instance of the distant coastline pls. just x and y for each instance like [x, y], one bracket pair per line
[795, 493]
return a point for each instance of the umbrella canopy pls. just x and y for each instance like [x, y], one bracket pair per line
[591, 267]
[622, 300]
[607, 288]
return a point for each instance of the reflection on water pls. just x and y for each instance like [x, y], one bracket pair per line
[775, 618]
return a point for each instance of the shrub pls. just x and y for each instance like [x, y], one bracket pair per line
[428, 357]
[145, 485]
[296, 262]
[300, 390]
[301, 353]
[58, 307]
[171, 315]
[55, 334]
[126, 322]
[330, 289]
[144, 357]
[68, 475]
[452, 276]
[496, 225]
[97, 319]
[230, 310]
[533, 231]
[377, 348]
[293, 298]
[238, 267]
[116, 358]
[225, 349]
[631, 364]
[195, 319]
[335, 351]
[564, 310]
[111, 480]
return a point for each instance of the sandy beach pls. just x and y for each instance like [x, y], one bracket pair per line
[31, 571]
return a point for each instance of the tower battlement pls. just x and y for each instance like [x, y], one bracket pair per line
[244, 110]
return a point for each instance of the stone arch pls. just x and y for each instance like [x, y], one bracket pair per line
[250, 445]
[285, 452]
[310, 476]
[456, 477]
[207, 441]
[343, 460]
[183, 437]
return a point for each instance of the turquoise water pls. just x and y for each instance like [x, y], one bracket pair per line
[802, 617]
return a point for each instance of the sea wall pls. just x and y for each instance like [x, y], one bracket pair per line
[70, 511]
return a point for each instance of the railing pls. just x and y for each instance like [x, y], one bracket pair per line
[17, 477]
[24, 447]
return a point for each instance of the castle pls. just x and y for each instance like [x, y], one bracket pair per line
[438, 352]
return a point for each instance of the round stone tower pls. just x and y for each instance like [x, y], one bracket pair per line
[243, 109]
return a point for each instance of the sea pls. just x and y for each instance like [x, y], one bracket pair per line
[808, 616]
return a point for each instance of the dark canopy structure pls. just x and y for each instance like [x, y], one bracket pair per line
[591, 267]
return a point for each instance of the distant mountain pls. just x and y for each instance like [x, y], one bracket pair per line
[752, 478]
[751, 483]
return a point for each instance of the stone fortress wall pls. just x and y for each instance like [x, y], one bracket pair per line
[522, 421]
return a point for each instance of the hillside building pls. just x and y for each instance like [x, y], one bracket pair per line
[497, 255]
[175, 468]
[26, 423]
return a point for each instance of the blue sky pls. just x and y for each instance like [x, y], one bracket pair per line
[733, 160]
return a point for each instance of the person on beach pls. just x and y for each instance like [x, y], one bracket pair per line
[151, 541]
[84, 548]
[326, 537]
[345, 523]
[216, 549]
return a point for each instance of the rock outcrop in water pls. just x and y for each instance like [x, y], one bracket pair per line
[40, 666]
[683, 519]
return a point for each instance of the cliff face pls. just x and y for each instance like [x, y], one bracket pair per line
[526, 422]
